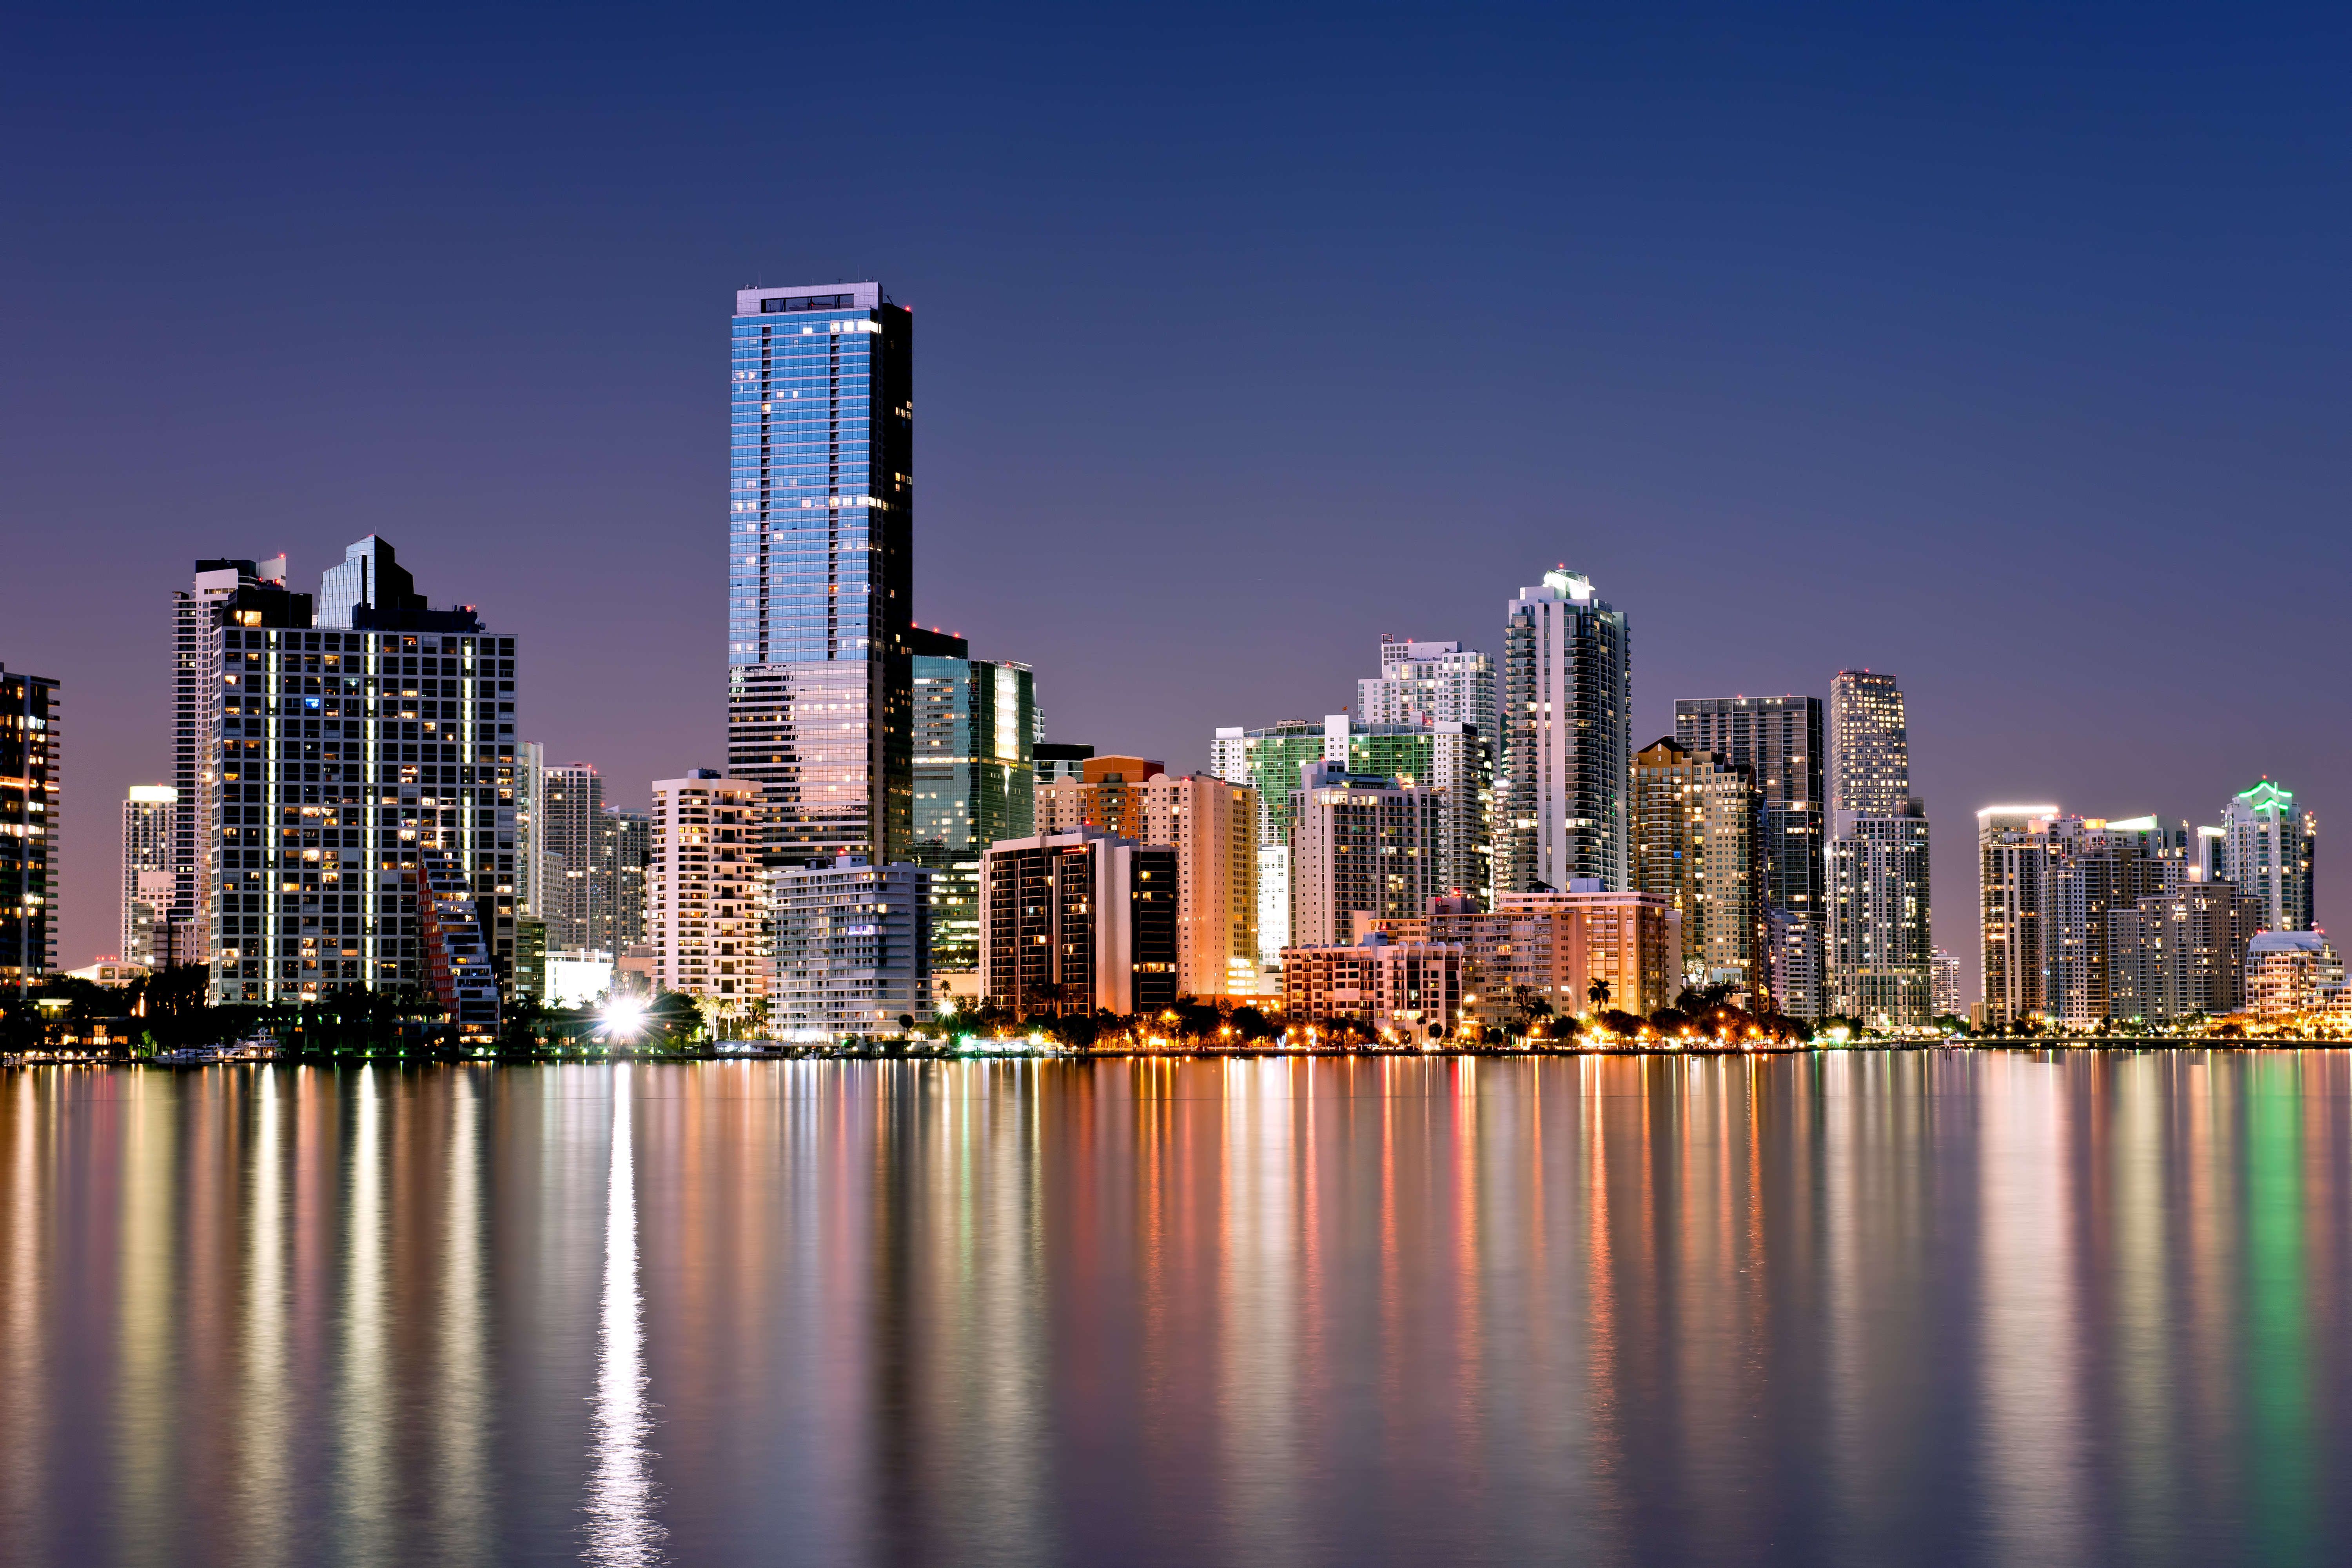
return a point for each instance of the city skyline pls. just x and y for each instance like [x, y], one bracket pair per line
[517, 317]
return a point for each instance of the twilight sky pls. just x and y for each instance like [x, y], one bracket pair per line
[1999, 348]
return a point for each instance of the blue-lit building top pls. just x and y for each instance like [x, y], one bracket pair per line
[821, 491]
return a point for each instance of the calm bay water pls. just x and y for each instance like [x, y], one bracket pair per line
[1935, 1307]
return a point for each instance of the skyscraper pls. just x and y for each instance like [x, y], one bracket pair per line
[624, 853]
[357, 786]
[31, 759]
[2267, 850]
[1879, 946]
[1212, 827]
[2011, 858]
[1360, 844]
[975, 782]
[1695, 848]
[147, 838]
[1566, 766]
[1781, 740]
[821, 503]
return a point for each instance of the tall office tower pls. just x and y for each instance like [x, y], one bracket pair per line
[708, 909]
[1781, 743]
[1696, 848]
[2012, 853]
[853, 950]
[625, 851]
[196, 710]
[1107, 794]
[1428, 683]
[147, 839]
[1360, 843]
[1060, 762]
[1079, 922]
[357, 788]
[1564, 808]
[975, 774]
[1212, 827]
[2267, 847]
[1944, 983]
[1870, 745]
[1878, 967]
[569, 831]
[31, 759]
[2180, 953]
[1881, 959]
[819, 575]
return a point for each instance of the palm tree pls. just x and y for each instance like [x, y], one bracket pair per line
[1598, 994]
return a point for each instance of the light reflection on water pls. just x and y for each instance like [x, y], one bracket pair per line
[1855, 1307]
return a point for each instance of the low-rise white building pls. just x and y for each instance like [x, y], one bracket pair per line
[852, 949]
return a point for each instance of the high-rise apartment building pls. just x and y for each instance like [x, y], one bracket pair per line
[709, 908]
[2012, 853]
[820, 587]
[1079, 922]
[2179, 954]
[1697, 848]
[975, 774]
[195, 691]
[1212, 827]
[148, 825]
[625, 856]
[569, 834]
[1879, 917]
[32, 758]
[1944, 983]
[2267, 849]
[1870, 744]
[355, 787]
[1360, 843]
[532, 890]
[1424, 683]
[1881, 955]
[1782, 742]
[853, 950]
[1449, 755]
[1564, 808]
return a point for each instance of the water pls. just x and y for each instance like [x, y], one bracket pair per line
[1938, 1307]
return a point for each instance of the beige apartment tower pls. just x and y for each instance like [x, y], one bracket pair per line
[706, 916]
[1212, 826]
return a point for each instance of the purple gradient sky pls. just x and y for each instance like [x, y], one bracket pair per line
[1999, 349]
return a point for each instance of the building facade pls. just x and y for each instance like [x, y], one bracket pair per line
[150, 830]
[819, 577]
[1565, 769]
[568, 833]
[2011, 858]
[1406, 990]
[708, 920]
[1783, 743]
[2267, 847]
[1696, 847]
[1212, 827]
[1582, 951]
[1079, 922]
[1944, 983]
[355, 785]
[975, 782]
[624, 856]
[853, 950]
[32, 761]
[1870, 744]
[1358, 844]
[195, 692]
[1107, 794]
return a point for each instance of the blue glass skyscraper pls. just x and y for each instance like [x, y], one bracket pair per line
[819, 581]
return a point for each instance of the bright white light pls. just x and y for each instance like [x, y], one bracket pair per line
[624, 1015]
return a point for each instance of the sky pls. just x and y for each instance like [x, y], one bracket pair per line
[1999, 348]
